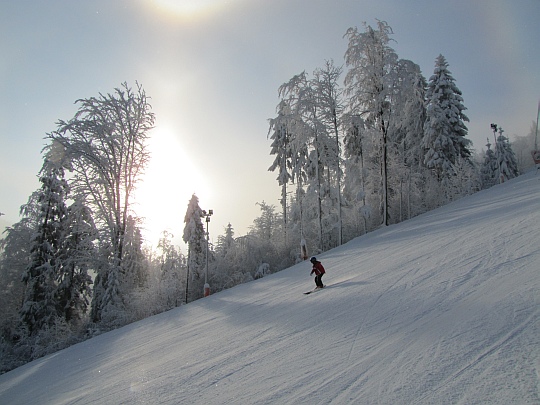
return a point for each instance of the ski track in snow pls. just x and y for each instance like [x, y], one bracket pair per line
[441, 309]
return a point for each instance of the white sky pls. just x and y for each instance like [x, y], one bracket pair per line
[213, 68]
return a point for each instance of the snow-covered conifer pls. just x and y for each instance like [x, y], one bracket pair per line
[444, 129]
[490, 168]
[194, 236]
[225, 242]
[40, 307]
[506, 158]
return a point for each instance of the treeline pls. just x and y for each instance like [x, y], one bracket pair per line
[381, 148]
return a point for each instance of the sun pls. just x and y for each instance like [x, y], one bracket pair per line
[188, 9]
[166, 187]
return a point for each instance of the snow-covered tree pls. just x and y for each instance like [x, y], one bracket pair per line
[444, 129]
[506, 158]
[172, 268]
[264, 226]
[106, 143]
[329, 97]
[78, 254]
[281, 147]
[409, 112]
[14, 260]
[311, 111]
[40, 306]
[194, 236]
[263, 244]
[232, 260]
[490, 168]
[523, 145]
[405, 139]
[134, 263]
[356, 173]
[466, 180]
[369, 85]
[303, 124]
[225, 242]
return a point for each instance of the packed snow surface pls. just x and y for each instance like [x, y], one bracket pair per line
[441, 309]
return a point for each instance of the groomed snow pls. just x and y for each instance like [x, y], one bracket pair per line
[441, 309]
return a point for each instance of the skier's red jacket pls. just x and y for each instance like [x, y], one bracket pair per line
[318, 269]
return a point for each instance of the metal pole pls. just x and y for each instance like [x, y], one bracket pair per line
[207, 252]
[206, 285]
[536, 135]
[187, 275]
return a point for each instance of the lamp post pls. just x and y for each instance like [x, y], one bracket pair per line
[206, 285]
[536, 133]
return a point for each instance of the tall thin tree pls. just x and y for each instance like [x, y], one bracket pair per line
[369, 86]
[329, 96]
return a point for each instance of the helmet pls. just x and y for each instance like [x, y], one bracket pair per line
[313, 259]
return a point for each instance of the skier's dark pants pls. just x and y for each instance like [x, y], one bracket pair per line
[318, 280]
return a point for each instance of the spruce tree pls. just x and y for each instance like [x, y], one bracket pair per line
[194, 236]
[489, 168]
[40, 306]
[444, 129]
[225, 242]
[507, 159]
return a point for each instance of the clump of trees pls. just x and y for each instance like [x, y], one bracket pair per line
[76, 256]
[372, 143]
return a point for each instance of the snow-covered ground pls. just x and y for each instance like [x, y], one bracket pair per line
[441, 309]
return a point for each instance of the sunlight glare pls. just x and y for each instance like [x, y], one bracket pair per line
[169, 181]
[188, 9]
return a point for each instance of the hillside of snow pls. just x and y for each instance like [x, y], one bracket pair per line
[441, 309]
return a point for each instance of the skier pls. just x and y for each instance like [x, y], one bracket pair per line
[318, 269]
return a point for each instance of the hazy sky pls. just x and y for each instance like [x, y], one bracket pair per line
[212, 69]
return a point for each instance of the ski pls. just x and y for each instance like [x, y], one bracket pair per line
[314, 290]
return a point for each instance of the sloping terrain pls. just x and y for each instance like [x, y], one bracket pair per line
[441, 309]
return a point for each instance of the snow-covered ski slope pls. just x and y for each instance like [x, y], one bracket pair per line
[441, 309]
